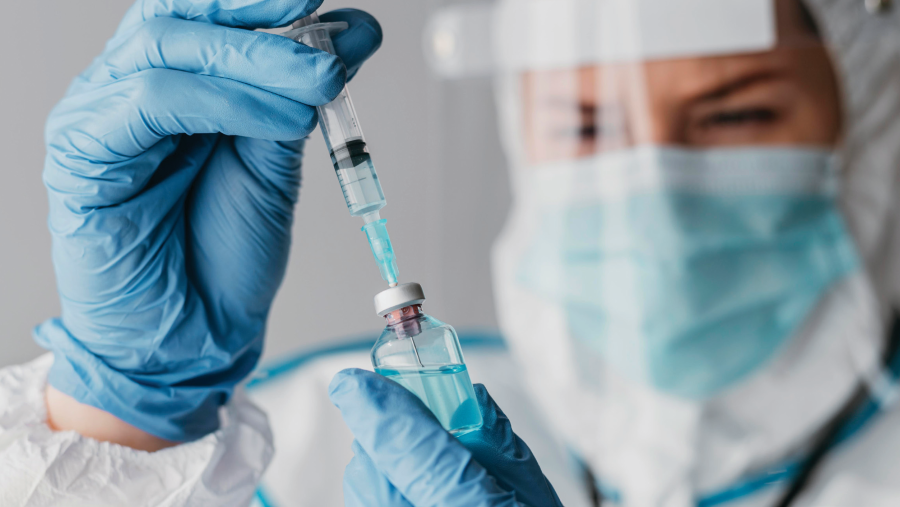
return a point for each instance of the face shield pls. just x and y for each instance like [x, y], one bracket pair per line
[680, 244]
[595, 77]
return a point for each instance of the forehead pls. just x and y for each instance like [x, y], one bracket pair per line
[680, 77]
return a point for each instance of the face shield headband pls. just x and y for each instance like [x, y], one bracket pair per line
[515, 36]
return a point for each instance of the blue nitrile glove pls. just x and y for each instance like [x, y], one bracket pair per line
[173, 171]
[403, 457]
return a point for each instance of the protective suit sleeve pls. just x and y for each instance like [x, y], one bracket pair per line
[41, 467]
[403, 457]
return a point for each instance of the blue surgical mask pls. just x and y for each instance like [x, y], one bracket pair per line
[687, 270]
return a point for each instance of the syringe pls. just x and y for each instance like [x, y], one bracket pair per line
[349, 154]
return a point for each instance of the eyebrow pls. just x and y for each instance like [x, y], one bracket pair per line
[718, 92]
[568, 102]
[730, 87]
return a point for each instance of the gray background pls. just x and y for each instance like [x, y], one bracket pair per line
[437, 157]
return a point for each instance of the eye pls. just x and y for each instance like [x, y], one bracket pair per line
[590, 127]
[739, 118]
[581, 123]
[588, 124]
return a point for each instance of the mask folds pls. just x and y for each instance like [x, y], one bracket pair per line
[685, 269]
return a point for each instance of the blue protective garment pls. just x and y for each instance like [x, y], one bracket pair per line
[173, 169]
[403, 457]
[698, 268]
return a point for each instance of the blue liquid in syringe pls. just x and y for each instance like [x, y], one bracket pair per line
[359, 181]
[380, 243]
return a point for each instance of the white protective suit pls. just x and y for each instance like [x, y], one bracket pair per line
[41, 467]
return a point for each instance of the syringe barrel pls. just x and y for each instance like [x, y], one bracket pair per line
[349, 155]
[340, 125]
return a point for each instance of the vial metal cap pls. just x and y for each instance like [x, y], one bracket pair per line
[398, 297]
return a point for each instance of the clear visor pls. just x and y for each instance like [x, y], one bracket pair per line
[600, 75]
[782, 91]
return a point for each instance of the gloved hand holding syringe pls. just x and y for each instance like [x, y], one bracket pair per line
[352, 163]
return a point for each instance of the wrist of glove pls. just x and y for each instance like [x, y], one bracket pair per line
[403, 457]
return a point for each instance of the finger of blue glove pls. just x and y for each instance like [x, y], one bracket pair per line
[408, 445]
[359, 41]
[103, 255]
[131, 321]
[93, 137]
[234, 13]
[506, 456]
[250, 196]
[365, 486]
[267, 61]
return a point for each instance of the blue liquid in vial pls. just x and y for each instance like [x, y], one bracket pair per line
[446, 390]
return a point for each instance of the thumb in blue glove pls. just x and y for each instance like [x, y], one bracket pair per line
[403, 457]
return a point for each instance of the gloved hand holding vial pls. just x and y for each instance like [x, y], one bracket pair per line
[423, 355]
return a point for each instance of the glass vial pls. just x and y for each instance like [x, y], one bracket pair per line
[423, 355]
